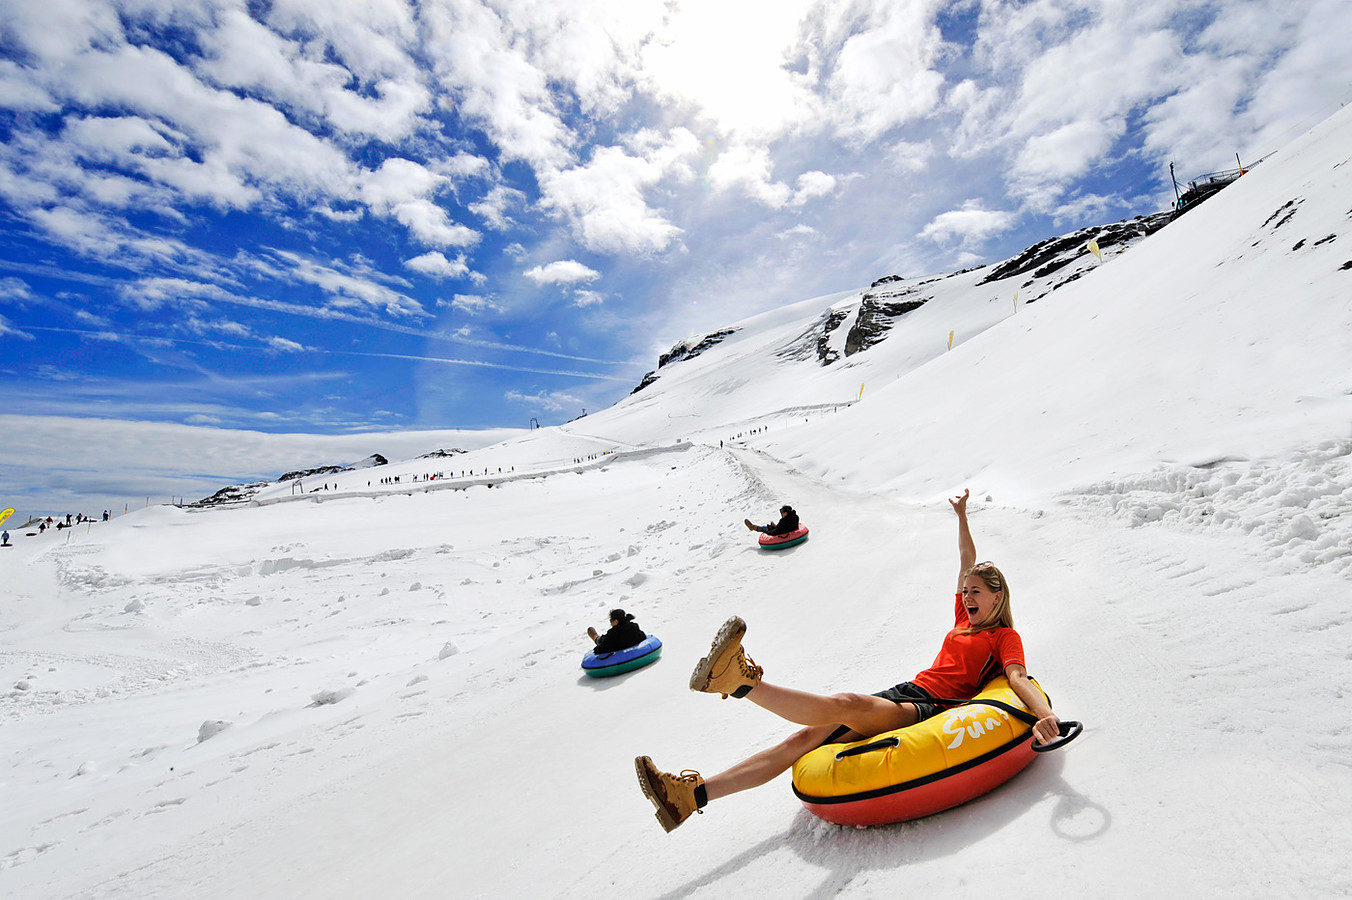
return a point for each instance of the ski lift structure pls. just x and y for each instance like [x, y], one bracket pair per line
[1202, 187]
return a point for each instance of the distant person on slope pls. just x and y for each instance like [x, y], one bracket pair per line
[624, 633]
[788, 521]
[981, 645]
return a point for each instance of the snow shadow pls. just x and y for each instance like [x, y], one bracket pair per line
[612, 681]
[844, 853]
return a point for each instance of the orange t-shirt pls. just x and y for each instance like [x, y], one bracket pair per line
[967, 661]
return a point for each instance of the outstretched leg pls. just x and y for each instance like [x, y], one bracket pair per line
[767, 764]
[678, 797]
[865, 714]
[728, 671]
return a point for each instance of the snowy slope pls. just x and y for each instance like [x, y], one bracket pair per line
[372, 689]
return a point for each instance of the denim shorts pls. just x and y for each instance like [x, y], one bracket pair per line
[906, 692]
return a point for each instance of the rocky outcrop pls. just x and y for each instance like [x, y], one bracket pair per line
[375, 459]
[878, 312]
[684, 350]
[1045, 257]
[689, 350]
[243, 493]
[826, 354]
[647, 380]
[815, 340]
[235, 493]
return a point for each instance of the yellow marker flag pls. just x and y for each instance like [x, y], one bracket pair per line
[861, 391]
[1094, 249]
[950, 340]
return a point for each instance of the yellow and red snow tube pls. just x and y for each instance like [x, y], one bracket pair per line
[945, 760]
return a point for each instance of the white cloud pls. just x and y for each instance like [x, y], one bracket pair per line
[882, 77]
[398, 181]
[604, 199]
[400, 188]
[1065, 152]
[1056, 85]
[475, 60]
[349, 287]
[585, 298]
[218, 326]
[906, 156]
[92, 320]
[564, 271]
[1310, 77]
[546, 401]
[812, 185]
[749, 168]
[492, 208]
[969, 224]
[283, 345]
[437, 265]
[1075, 211]
[301, 74]
[95, 234]
[8, 329]
[725, 63]
[471, 304]
[431, 226]
[14, 289]
[18, 92]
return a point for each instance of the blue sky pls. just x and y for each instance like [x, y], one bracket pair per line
[296, 216]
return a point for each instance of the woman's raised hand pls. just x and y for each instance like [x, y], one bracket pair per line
[959, 504]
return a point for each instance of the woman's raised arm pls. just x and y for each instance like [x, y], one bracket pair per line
[966, 546]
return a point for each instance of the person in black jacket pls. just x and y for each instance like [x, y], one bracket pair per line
[788, 521]
[624, 632]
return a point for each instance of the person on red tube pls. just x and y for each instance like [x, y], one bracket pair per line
[788, 522]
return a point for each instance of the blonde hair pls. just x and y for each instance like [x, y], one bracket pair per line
[1002, 616]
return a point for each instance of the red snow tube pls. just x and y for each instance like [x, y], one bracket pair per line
[780, 541]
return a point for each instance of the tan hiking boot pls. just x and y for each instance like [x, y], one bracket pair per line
[727, 670]
[672, 795]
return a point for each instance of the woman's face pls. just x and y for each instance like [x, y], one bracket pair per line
[979, 600]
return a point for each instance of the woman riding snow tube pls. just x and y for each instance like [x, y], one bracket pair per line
[938, 763]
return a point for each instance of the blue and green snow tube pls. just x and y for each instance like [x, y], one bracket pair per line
[626, 660]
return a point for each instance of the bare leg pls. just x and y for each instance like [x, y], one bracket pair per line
[767, 764]
[864, 713]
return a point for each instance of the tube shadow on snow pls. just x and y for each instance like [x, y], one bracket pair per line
[844, 853]
[611, 681]
[757, 550]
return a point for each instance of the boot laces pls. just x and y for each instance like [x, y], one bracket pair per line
[692, 778]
